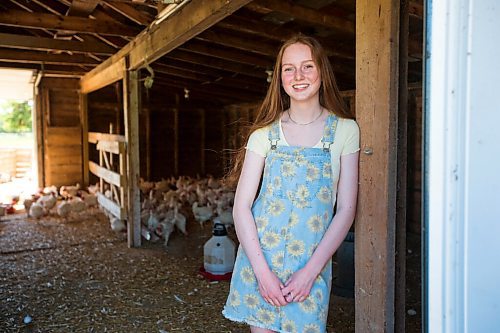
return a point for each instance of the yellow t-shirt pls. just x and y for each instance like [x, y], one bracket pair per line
[346, 142]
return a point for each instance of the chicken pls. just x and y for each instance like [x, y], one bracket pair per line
[179, 220]
[77, 205]
[69, 191]
[117, 225]
[93, 189]
[152, 221]
[89, 199]
[202, 213]
[145, 186]
[48, 201]
[37, 210]
[27, 205]
[225, 216]
[64, 209]
[165, 228]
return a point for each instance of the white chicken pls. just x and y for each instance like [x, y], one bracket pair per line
[64, 209]
[165, 228]
[225, 216]
[77, 205]
[90, 199]
[153, 221]
[117, 225]
[202, 213]
[48, 201]
[37, 210]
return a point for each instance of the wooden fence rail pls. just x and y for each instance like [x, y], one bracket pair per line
[15, 162]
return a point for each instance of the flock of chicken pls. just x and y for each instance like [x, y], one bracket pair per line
[167, 205]
[74, 200]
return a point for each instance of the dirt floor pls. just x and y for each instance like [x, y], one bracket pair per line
[77, 275]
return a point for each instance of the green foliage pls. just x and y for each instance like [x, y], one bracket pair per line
[17, 119]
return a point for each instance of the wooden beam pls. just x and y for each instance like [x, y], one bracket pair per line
[305, 14]
[206, 90]
[377, 80]
[161, 38]
[103, 78]
[245, 25]
[130, 12]
[69, 24]
[85, 142]
[111, 207]
[254, 45]
[94, 137]
[50, 44]
[47, 69]
[82, 8]
[131, 107]
[209, 61]
[191, 19]
[23, 56]
[114, 147]
[217, 81]
[228, 54]
[108, 175]
[402, 153]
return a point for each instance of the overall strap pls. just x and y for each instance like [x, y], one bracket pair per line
[274, 134]
[329, 133]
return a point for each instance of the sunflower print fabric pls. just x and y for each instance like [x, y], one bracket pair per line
[292, 212]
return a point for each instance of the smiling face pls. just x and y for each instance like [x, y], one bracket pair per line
[300, 76]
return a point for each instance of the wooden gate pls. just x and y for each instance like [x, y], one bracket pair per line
[112, 194]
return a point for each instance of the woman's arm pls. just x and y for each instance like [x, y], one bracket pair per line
[301, 281]
[269, 284]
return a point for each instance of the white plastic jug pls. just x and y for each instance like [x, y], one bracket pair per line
[219, 252]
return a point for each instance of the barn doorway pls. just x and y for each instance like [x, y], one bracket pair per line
[17, 141]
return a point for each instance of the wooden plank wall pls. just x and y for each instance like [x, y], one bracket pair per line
[61, 131]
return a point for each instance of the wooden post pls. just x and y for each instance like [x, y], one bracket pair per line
[147, 124]
[377, 51]
[202, 141]
[85, 139]
[39, 127]
[400, 298]
[176, 136]
[131, 116]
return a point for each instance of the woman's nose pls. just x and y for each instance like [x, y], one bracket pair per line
[299, 74]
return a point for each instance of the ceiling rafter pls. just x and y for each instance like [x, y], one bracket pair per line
[44, 57]
[49, 44]
[82, 8]
[305, 14]
[130, 12]
[69, 24]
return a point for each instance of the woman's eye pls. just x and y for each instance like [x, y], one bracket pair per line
[308, 67]
[288, 69]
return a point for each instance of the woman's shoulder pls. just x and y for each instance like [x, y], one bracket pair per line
[347, 126]
[262, 132]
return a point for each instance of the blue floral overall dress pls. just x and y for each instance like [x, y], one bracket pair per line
[292, 212]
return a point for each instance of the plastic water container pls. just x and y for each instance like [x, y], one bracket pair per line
[219, 252]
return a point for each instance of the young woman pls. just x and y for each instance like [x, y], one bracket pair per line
[303, 152]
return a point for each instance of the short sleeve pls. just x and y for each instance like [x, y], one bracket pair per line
[258, 142]
[351, 144]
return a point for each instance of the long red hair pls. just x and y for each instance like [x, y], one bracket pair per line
[277, 101]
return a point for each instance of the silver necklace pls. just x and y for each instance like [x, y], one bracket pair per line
[304, 124]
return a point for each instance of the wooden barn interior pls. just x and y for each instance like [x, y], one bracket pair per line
[130, 89]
